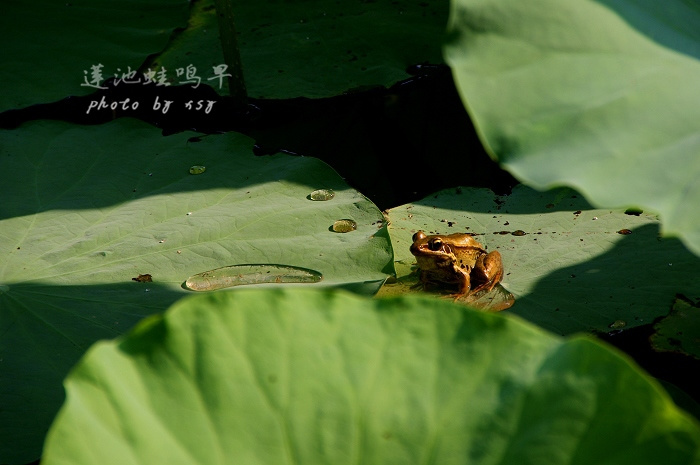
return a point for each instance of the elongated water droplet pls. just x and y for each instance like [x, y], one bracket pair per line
[322, 194]
[343, 226]
[197, 169]
[239, 275]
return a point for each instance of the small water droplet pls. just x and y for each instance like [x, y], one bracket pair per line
[595, 218]
[189, 213]
[197, 169]
[624, 231]
[345, 225]
[322, 194]
[617, 324]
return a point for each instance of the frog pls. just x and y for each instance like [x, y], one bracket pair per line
[457, 259]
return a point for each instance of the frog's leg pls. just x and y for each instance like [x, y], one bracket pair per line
[488, 271]
[463, 280]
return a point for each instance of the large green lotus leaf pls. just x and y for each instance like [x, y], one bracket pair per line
[572, 271]
[117, 34]
[314, 48]
[297, 376]
[87, 209]
[598, 95]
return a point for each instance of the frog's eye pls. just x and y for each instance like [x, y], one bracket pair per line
[435, 245]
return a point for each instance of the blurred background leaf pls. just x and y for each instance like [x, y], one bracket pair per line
[597, 95]
[270, 376]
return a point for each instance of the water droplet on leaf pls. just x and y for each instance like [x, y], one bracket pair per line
[197, 169]
[322, 194]
[345, 225]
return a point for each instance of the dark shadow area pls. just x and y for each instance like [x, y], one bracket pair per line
[618, 295]
[635, 281]
[532, 202]
[140, 166]
[45, 330]
[676, 368]
[394, 145]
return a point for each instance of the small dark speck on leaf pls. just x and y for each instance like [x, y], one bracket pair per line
[624, 231]
[143, 278]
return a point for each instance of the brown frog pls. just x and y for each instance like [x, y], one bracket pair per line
[456, 259]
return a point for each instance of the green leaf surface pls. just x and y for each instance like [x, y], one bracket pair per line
[117, 34]
[571, 271]
[86, 210]
[598, 95]
[315, 48]
[296, 376]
